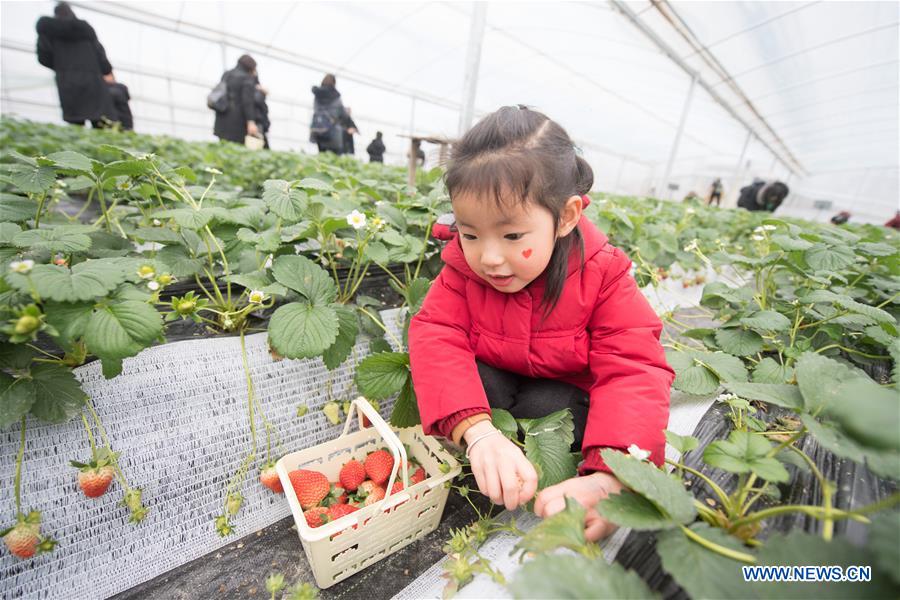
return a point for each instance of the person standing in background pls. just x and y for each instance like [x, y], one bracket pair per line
[715, 193]
[376, 149]
[350, 130]
[328, 112]
[262, 112]
[118, 93]
[70, 47]
[238, 120]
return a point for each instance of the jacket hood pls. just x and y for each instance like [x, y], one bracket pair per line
[594, 240]
[66, 29]
[325, 93]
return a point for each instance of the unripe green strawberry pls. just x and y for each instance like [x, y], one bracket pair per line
[332, 410]
[233, 503]
[26, 324]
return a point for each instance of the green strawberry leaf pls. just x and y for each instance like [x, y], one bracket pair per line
[552, 577]
[85, 281]
[682, 443]
[786, 396]
[406, 408]
[505, 422]
[564, 529]
[69, 161]
[547, 443]
[187, 217]
[767, 320]
[701, 572]
[16, 399]
[769, 370]
[740, 342]
[57, 394]
[288, 203]
[301, 330]
[348, 328]
[664, 491]
[744, 452]
[380, 376]
[123, 329]
[305, 277]
[59, 239]
[628, 509]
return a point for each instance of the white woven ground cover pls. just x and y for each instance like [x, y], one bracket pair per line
[178, 415]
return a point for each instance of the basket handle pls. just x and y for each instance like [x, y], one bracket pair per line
[396, 446]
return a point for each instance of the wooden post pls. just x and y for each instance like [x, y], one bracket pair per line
[413, 156]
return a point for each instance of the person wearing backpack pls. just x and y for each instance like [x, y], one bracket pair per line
[262, 112]
[70, 47]
[328, 114]
[376, 149]
[233, 100]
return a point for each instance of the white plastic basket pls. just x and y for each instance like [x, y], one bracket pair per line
[373, 532]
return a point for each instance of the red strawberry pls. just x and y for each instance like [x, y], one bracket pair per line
[22, 540]
[398, 486]
[417, 476]
[94, 481]
[336, 511]
[376, 495]
[352, 474]
[269, 478]
[379, 465]
[316, 516]
[311, 487]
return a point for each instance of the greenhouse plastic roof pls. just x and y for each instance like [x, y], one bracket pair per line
[816, 81]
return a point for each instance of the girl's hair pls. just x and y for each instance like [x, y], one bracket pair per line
[329, 79]
[520, 155]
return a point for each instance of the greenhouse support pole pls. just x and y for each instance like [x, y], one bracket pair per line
[735, 178]
[412, 116]
[473, 60]
[684, 115]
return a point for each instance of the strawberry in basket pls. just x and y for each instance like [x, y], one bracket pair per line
[311, 487]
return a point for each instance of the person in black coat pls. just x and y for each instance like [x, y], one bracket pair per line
[376, 149]
[70, 47]
[349, 130]
[239, 119]
[118, 92]
[763, 196]
[262, 112]
[328, 112]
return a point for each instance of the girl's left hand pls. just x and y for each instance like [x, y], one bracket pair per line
[588, 491]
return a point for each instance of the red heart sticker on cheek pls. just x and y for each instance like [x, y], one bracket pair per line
[526, 253]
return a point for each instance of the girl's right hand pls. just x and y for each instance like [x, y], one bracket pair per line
[500, 468]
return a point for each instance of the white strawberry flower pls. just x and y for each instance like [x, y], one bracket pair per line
[268, 264]
[769, 227]
[637, 452]
[153, 285]
[257, 297]
[157, 222]
[694, 245]
[690, 210]
[758, 229]
[757, 237]
[21, 266]
[212, 171]
[356, 219]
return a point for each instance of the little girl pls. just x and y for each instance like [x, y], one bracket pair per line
[533, 312]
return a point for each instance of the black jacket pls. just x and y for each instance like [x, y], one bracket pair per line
[231, 125]
[262, 109]
[347, 123]
[376, 150]
[120, 97]
[70, 47]
[327, 100]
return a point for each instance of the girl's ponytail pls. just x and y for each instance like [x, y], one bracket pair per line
[585, 181]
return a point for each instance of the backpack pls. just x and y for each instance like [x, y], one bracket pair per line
[322, 124]
[217, 99]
